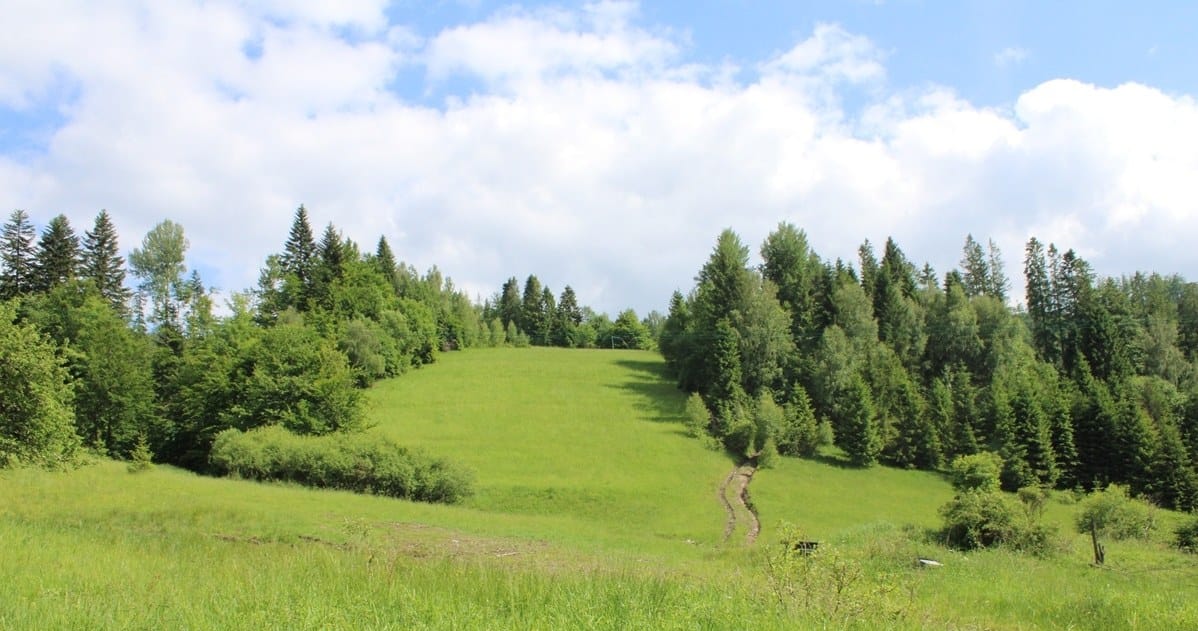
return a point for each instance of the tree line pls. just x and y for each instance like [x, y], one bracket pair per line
[533, 316]
[1093, 383]
[91, 360]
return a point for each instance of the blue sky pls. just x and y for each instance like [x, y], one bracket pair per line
[605, 145]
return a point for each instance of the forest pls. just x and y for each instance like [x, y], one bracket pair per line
[1088, 382]
[148, 370]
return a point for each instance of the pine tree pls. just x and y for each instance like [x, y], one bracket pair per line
[976, 268]
[532, 313]
[548, 310]
[58, 256]
[998, 283]
[18, 255]
[384, 260]
[869, 268]
[1172, 481]
[509, 303]
[103, 264]
[859, 436]
[1040, 308]
[299, 263]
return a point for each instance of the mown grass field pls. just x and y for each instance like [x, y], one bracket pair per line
[593, 510]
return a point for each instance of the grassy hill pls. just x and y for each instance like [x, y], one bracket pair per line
[593, 510]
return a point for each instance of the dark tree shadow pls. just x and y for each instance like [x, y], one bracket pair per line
[654, 392]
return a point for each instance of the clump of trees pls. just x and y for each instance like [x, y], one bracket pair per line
[532, 316]
[1093, 383]
[155, 374]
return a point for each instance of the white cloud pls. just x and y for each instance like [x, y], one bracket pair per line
[1011, 56]
[593, 152]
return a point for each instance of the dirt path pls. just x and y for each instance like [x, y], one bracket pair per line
[738, 481]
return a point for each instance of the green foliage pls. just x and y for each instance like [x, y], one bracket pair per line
[976, 472]
[1114, 514]
[58, 256]
[364, 463]
[17, 256]
[140, 458]
[979, 519]
[158, 266]
[103, 264]
[829, 584]
[857, 428]
[36, 410]
[800, 434]
[698, 417]
[1186, 535]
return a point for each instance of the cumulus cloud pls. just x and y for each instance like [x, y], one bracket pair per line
[588, 148]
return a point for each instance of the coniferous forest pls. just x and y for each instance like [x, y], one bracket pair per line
[1093, 382]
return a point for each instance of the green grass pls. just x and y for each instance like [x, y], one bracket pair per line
[592, 438]
[593, 510]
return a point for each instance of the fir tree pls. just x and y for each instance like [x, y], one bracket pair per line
[103, 264]
[18, 255]
[859, 436]
[976, 268]
[384, 259]
[58, 255]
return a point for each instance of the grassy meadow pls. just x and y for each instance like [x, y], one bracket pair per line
[592, 510]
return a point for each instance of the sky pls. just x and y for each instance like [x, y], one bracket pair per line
[606, 145]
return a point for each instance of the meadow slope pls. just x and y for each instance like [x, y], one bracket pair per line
[593, 510]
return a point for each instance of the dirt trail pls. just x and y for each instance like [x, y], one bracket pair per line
[738, 479]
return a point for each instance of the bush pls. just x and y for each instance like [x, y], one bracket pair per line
[364, 463]
[978, 472]
[982, 519]
[979, 519]
[698, 418]
[1113, 513]
[1187, 536]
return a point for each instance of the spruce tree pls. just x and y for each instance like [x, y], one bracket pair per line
[103, 264]
[859, 436]
[18, 256]
[384, 259]
[58, 256]
[976, 268]
[509, 303]
[997, 284]
[299, 259]
[532, 312]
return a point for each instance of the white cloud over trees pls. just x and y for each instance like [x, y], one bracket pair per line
[586, 148]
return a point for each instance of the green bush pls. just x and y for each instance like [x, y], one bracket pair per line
[1187, 536]
[978, 472]
[1113, 513]
[979, 519]
[364, 463]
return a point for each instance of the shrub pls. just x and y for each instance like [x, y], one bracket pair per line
[698, 418]
[1113, 513]
[364, 463]
[1187, 536]
[978, 472]
[979, 519]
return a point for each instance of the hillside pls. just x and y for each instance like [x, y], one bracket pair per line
[593, 510]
